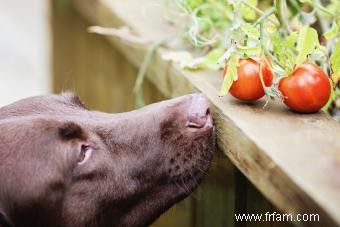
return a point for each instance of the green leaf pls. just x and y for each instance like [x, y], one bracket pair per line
[271, 24]
[333, 32]
[291, 40]
[247, 12]
[250, 30]
[225, 57]
[285, 51]
[192, 4]
[307, 43]
[335, 64]
[208, 61]
[335, 94]
[249, 50]
[307, 18]
[334, 6]
[231, 74]
[305, 1]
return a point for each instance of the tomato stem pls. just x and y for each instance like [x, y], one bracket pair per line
[259, 11]
[316, 4]
[261, 78]
[281, 12]
[263, 47]
[265, 16]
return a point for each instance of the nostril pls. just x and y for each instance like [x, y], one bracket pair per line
[207, 113]
[197, 120]
[199, 112]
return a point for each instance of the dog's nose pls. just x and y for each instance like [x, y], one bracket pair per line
[199, 112]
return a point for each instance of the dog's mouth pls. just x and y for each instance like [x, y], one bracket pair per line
[191, 178]
[164, 196]
[187, 170]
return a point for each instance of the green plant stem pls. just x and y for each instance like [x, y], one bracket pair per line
[295, 4]
[210, 5]
[259, 11]
[267, 14]
[283, 17]
[197, 39]
[321, 18]
[264, 48]
[323, 22]
[139, 101]
[264, 87]
[325, 26]
[316, 4]
[182, 6]
[261, 78]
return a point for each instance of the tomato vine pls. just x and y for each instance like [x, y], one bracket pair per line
[284, 33]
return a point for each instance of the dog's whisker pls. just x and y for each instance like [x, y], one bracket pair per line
[185, 186]
[188, 189]
[196, 182]
[179, 186]
[201, 170]
[206, 161]
[193, 194]
[192, 177]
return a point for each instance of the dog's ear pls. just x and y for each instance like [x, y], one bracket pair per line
[71, 130]
[4, 221]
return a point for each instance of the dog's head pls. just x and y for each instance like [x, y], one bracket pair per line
[65, 165]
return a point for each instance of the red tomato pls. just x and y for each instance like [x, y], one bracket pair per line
[307, 89]
[248, 86]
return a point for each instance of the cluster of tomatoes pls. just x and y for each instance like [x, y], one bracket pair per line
[306, 90]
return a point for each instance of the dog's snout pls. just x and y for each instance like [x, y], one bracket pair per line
[199, 112]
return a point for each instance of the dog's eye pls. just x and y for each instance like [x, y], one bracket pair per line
[84, 154]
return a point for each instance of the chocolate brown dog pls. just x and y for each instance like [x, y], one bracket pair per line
[62, 164]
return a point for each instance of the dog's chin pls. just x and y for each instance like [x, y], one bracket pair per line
[148, 209]
[178, 187]
[152, 206]
[188, 182]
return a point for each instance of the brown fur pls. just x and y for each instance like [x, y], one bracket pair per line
[142, 162]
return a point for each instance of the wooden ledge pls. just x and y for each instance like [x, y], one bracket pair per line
[293, 159]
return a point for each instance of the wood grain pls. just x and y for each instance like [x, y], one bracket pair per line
[293, 159]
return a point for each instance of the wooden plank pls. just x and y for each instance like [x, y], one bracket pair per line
[179, 215]
[96, 77]
[215, 197]
[293, 159]
[257, 204]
